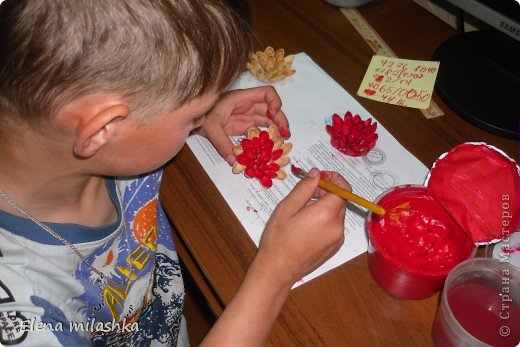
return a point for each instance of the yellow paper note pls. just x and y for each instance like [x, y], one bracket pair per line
[400, 82]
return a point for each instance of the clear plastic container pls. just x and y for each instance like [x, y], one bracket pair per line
[480, 305]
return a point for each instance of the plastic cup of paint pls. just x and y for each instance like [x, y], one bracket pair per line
[414, 246]
[470, 197]
[480, 305]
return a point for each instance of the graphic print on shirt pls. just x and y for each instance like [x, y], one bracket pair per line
[161, 321]
[56, 320]
[150, 306]
[11, 322]
[125, 263]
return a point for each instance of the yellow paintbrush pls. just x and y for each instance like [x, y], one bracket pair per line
[343, 193]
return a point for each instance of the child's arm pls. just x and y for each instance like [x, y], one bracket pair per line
[237, 111]
[300, 235]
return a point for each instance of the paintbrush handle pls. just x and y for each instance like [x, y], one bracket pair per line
[345, 194]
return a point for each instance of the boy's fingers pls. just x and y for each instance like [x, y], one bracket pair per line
[335, 179]
[222, 143]
[281, 122]
[331, 200]
[332, 203]
[270, 97]
[302, 192]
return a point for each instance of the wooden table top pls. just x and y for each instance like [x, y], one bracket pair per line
[344, 306]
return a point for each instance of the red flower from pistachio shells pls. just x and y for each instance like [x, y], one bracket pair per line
[262, 155]
[352, 135]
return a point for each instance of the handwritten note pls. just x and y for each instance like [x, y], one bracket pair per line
[400, 82]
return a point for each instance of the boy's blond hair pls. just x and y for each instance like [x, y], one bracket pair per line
[157, 54]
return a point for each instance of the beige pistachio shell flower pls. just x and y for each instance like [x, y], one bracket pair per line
[270, 65]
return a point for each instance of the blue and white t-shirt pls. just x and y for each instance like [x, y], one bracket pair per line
[50, 297]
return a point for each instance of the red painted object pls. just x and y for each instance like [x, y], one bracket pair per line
[351, 135]
[430, 229]
[262, 155]
[415, 244]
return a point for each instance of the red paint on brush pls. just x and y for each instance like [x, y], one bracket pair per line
[295, 170]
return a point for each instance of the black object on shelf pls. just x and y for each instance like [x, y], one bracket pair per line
[479, 78]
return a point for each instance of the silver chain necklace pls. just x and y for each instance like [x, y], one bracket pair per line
[70, 245]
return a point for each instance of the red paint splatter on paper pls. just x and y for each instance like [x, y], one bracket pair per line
[251, 209]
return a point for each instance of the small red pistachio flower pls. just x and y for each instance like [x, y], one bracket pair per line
[352, 135]
[262, 155]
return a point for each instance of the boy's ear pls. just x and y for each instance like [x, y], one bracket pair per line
[93, 134]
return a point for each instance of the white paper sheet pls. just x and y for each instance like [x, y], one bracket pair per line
[310, 97]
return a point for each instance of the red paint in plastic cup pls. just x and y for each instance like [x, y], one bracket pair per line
[415, 245]
[470, 197]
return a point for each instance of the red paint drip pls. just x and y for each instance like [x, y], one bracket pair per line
[379, 78]
[369, 91]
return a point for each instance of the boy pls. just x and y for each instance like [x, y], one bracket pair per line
[96, 89]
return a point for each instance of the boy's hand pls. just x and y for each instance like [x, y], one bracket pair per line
[237, 111]
[302, 234]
